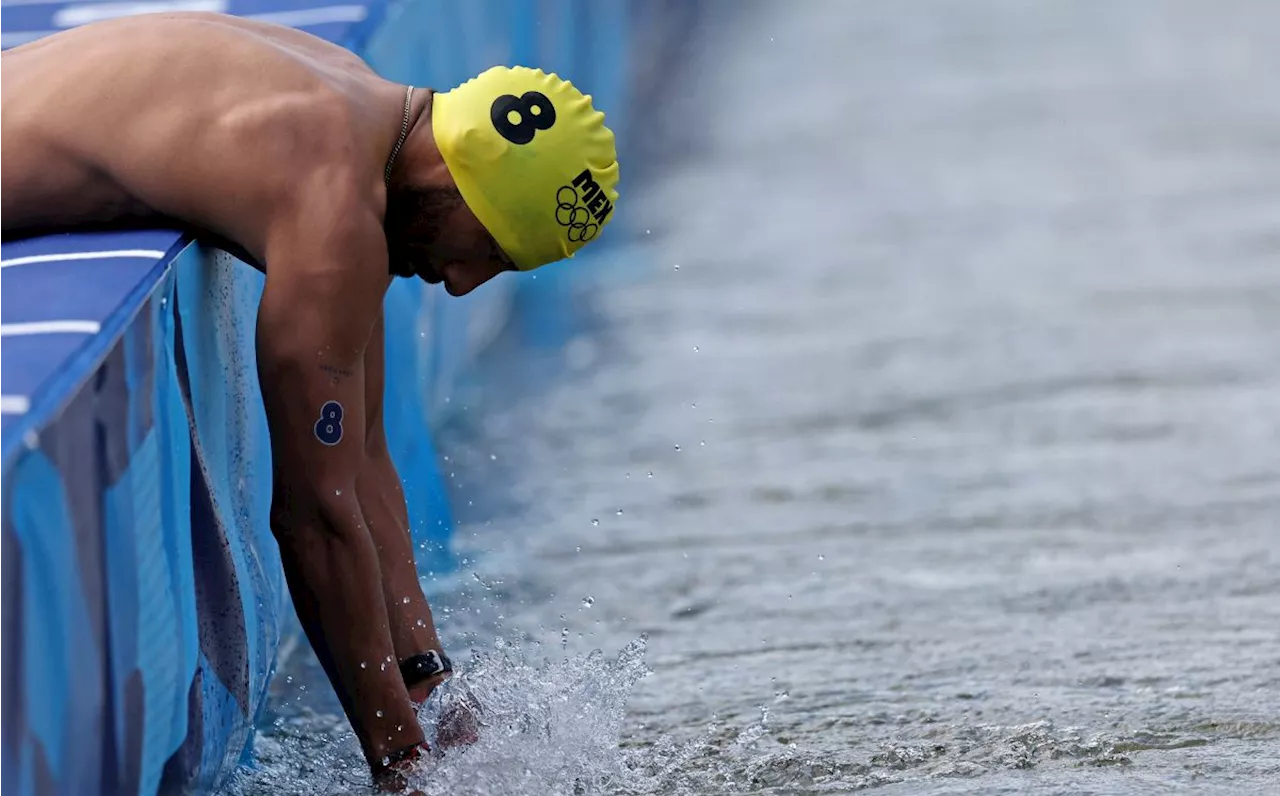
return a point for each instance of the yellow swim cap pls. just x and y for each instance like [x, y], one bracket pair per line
[532, 158]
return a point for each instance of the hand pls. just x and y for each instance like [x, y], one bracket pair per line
[459, 723]
[393, 776]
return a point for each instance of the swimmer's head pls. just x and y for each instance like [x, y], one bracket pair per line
[532, 159]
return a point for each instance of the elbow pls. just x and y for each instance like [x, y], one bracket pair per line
[283, 362]
[327, 511]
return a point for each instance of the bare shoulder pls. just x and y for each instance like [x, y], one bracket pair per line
[327, 269]
[329, 228]
[245, 122]
[297, 156]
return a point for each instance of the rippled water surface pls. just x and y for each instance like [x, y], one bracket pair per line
[937, 450]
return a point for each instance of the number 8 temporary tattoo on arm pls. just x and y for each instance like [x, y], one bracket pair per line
[329, 427]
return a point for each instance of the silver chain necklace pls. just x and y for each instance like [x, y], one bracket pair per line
[404, 132]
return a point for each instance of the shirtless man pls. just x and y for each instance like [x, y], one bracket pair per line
[293, 154]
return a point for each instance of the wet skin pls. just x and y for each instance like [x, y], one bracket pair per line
[272, 142]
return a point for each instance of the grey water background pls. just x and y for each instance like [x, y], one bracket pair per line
[932, 447]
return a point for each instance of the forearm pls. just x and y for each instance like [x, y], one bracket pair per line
[382, 501]
[381, 497]
[334, 556]
[332, 566]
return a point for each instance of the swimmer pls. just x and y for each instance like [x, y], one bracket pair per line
[292, 154]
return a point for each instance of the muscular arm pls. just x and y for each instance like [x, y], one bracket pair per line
[379, 470]
[324, 288]
[382, 501]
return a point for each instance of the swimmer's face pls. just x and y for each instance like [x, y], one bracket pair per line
[431, 233]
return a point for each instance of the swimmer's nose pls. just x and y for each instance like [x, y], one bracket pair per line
[456, 290]
[460, 278]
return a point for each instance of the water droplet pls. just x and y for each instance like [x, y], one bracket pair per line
[619, 512]
[337, 491]
[364, 665]
[646, 232]
[399, 727]
[379, 714]
[703, 443]
[695, 349]
[386, 761]
[382, 667]
[493, 457]
[588, 601]
[821, 557]
[595, 522]
[650, 473]
[677, 267]
[578, 549]
[677, 447]
[406, 601]
[289, 679]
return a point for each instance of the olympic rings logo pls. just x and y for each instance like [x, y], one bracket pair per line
[575, 217]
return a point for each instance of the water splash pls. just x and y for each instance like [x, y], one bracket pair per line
[546, 727]
[550, 727]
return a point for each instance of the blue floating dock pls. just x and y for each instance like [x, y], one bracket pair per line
[59, 292]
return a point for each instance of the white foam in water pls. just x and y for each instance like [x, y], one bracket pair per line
[547, 727]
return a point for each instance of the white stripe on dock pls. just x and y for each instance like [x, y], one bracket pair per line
[306, 17]
[147, 254]
[14, 404]
[86, 13]
[49, 327]
[301, 18]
